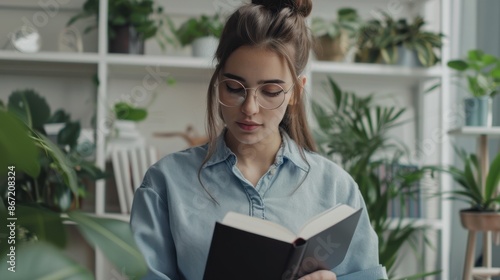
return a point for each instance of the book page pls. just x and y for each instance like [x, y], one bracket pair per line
[258, 226]
[325, 220]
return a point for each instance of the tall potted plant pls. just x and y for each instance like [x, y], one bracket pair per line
[33, 165]
[355, 129]
[335, 38]
[482, 72]
[130, 23]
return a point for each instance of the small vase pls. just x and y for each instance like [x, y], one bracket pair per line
[408, 58]
[126, 40]
[478, 111]
[205, 46]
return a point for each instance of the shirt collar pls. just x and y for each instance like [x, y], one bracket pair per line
[289, 150]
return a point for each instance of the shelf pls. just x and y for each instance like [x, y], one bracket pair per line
[493, 131]
[181, 68]
[435, 224]
[48, 63]
[371, 74]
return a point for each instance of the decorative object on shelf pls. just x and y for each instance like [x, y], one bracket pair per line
[398, 42]
[39, 229]
[26, 39]
[70, 40]
[190, 136]
[356, 130]
[483, 83]
[130, 23]
[372, 38]
[333, 39]
[417, 47]
[201, 32]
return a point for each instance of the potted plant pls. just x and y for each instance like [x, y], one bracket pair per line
[130, 23]
[202, 32]
[369, 42]
[483, 80]
[355, 130]
[335, 38]
[398, 42]
[32, 162]
[478, 188]
[417, 47]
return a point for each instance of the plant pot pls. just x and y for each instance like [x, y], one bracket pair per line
[478, 111]
[368, 55]
[331, 49]
[408, 58]
[205, 46]
[126, 40]
[480, 221]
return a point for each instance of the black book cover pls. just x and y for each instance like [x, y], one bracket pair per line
[238, 254]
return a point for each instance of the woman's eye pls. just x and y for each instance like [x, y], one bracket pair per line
[271, 90]
[234, 87]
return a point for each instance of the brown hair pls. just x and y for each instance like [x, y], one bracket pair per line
[277, 25]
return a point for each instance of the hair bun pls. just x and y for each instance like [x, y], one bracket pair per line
[301, 7]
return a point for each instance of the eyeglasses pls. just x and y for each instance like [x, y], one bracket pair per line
[232, 93]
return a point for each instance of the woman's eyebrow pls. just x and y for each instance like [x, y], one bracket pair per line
[241, 79]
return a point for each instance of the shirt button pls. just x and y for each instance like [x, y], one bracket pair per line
[272, 172]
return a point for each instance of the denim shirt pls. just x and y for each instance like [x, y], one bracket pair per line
[173, 217]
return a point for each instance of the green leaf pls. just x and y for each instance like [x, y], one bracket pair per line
[125, 111]
[493, 178]
[30, 107]
[459, 65]
[61, 163]
[488, 59]
[69, 134]
[115, 240]
[46, 225]
[17, 148]
[59, 116]
[475, 55]
[43, 262]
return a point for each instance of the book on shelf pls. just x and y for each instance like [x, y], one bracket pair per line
[407, 204]
[245, 247]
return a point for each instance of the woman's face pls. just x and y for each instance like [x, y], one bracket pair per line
[249, 123]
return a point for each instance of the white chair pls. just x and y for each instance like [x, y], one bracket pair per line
[129, 166]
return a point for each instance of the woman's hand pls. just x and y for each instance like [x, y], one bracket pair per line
[320, 275]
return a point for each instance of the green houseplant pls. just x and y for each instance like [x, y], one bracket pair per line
[398, 42]
[335, 38]
[202, 32]
[130, 23]
[33, 163]
[418, 43]
[355, 129]
[482, 195]
[482, 72]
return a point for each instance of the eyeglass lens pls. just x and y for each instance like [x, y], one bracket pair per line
[232, 93]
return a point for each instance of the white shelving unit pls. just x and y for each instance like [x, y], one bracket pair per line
[187, 69]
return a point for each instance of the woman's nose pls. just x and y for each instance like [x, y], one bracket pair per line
[250, 106]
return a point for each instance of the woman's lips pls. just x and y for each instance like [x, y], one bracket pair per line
[248, 126]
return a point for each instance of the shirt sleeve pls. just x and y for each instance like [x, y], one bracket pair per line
[362, 260]
[151, 230]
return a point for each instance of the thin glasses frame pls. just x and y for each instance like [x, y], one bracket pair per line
[246, 89]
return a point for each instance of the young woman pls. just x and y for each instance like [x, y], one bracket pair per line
[260, 158]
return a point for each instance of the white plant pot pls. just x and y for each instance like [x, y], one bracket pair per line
[205, 46]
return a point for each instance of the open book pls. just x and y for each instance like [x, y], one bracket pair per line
[245, 247]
